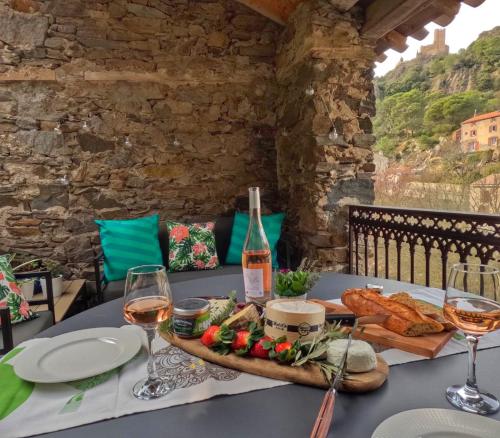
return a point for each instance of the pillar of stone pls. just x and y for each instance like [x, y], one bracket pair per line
[325, 74]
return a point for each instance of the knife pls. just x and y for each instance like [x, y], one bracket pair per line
[325, 415]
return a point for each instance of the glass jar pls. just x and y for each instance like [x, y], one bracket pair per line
[191, 317]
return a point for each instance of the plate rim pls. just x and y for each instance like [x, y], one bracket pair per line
[453, 412]
[20, 366]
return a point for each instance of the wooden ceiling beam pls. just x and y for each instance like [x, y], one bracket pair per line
[382, 16]
[445, 11]
[417, 22]
[420, 34]
[397, 41]
[473, 3]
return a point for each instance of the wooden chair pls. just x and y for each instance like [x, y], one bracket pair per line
[14, 334]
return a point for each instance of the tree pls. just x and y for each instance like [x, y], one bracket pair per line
[446, 113]
[401, 114]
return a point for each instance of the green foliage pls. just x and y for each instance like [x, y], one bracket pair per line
[294, 283]
[490, 169]
[386, 144]
[413, 102]
[401, 114]
[445, 114]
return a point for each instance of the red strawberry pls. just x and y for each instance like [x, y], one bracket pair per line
[241, 340]
[262, 348]
[285, 351]
[282, 346]
[245, 339]
[209, 338]
[218, 338]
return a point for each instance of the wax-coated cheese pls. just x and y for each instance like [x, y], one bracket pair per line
[360, 359]
[296, 306]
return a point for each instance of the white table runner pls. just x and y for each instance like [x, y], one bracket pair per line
[52, 407]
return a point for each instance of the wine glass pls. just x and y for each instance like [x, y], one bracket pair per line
[148, 302]
[472, 304]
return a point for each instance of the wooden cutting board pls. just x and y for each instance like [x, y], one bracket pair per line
[309, 374]
[427, 345]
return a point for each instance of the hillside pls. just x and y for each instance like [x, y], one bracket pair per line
[424, 100]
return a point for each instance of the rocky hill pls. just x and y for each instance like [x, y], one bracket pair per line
[424, 100]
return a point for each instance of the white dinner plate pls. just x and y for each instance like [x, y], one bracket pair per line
[437, 423]
[77, 355]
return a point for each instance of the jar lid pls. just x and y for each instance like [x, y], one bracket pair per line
[191, 306]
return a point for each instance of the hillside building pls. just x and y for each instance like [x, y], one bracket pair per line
[480, 133]
[438, 47]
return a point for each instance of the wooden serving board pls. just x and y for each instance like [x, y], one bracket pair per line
[306, 375]
[426, 345]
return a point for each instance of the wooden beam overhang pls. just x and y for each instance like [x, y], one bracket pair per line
[388, 22]
[382, 16]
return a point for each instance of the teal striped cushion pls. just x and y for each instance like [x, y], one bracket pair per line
[272, 227]
[128, 243]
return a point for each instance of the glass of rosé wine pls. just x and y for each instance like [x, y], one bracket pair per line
[472, 304]
[148, 303]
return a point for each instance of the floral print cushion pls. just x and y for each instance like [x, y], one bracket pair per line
[191, 247]
[11, 296]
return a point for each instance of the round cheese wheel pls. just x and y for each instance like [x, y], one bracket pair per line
[360, 359]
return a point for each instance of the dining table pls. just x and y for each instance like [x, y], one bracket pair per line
[289, 410]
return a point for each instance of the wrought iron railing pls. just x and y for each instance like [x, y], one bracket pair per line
[414, 240]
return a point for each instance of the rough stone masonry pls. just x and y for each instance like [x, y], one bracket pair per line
[203, 94]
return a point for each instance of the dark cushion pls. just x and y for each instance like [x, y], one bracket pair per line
[115, 289]
[27, 329]
[222, 231]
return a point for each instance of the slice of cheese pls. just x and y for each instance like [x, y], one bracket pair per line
[217, 306]
[243, 317]
[360, 358]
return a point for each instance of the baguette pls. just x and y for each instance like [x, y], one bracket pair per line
[402, 319]
[428, 309]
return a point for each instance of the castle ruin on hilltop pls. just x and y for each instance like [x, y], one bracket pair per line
[438, 47]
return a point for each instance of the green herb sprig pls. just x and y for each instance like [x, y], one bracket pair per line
[295, 283]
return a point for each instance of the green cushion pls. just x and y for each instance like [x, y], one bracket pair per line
[272, 227]
[128, 243]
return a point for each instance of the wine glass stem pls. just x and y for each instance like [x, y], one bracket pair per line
[152, 374]
[471, 369]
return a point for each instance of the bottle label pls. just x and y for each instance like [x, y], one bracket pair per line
[254, 282]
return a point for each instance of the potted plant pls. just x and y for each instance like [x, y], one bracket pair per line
[27, 285]
[294, 284]
[57, 278]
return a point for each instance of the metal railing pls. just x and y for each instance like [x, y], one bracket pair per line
[436, 237]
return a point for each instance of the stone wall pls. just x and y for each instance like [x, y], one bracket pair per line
[324, 70]
[191, 82]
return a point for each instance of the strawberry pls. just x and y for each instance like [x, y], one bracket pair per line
[209, 337]
[245, 339]
[218, 338]
[262, 348]
[241, 340]
[285, 351]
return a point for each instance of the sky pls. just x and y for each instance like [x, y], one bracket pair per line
[463, 30]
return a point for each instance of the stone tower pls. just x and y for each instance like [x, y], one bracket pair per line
[438, 47]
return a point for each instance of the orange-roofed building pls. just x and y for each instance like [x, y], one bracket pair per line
[480, 133]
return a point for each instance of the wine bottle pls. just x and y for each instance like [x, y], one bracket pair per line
[256, 257]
